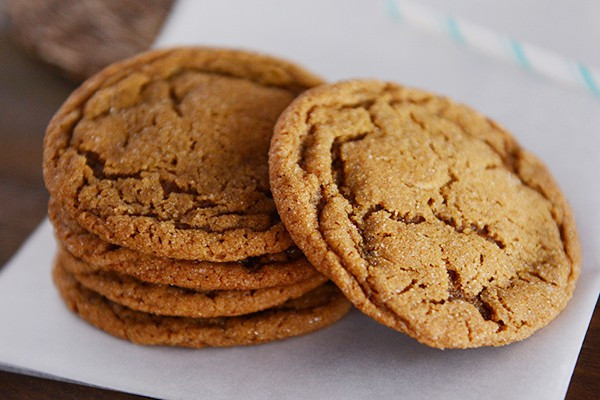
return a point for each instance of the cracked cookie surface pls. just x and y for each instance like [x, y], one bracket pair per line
[429, 216]
[177, 301]
[315, 310]
[166, 153]
[278, 269]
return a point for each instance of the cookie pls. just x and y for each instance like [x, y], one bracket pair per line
[80, 37]
[166, 153]
[315, 310]
[429, 216]
[177, 301]
[280, 269]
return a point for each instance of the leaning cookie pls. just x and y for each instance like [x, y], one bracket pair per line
[317, 309]
[177, 301]
[166, 152]
[429, 216]
[95, 255]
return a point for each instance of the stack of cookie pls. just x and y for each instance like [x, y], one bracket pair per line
[427, 215]
[160, 199]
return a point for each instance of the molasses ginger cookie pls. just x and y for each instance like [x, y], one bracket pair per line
[95, 255]
[177, 301]
[166, 153]
[315, 310]
[427, 215]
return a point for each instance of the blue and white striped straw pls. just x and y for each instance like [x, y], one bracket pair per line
[526, 55]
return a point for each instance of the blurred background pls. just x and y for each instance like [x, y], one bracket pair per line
[48, 47]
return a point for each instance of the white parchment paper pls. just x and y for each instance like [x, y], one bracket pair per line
[355, 358]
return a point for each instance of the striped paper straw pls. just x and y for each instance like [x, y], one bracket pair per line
[530, 57]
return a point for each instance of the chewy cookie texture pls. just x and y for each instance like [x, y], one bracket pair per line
[315, 310]
[166, 153]
[427, 215]
[177, 301]
[188, 184]
[168, 234]
[94, 255]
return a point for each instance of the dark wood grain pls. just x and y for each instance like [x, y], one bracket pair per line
[29, 95]
[23, 387]
[585, 383]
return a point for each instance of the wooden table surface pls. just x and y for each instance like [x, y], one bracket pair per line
[29, 94]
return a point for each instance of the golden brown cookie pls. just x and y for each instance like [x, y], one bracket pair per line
[315, 310]
[177, 301]
[166, 152]
[429, 216]
[279, 269]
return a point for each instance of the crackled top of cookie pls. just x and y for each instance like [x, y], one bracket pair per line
[166, 153]
[426, 214]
